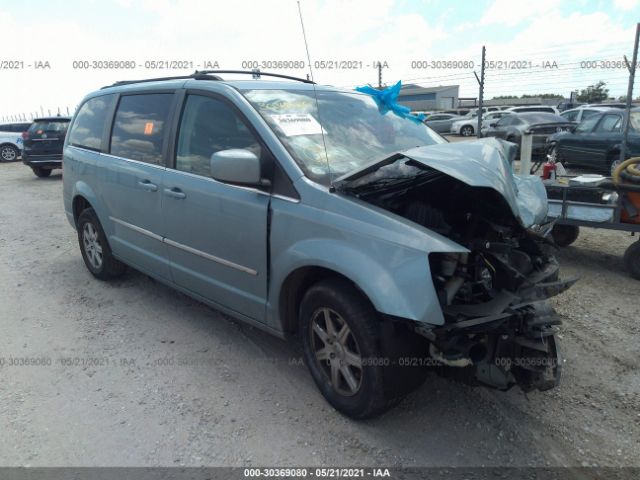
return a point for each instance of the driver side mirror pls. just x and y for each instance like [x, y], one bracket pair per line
[236, 166]
[493, 124]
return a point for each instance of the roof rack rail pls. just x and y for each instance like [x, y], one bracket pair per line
[256, 73]
[197, 76]
[208, 75]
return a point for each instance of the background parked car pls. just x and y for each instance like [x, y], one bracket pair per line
[441, 122]
[596, 141]
[492, 117]
[465, 126]
[577, 115]
[511, 127]
[11, 140]
[534, 108]
[43, 144]
[458, 111]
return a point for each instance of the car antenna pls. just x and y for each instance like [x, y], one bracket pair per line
[306, 45]
[315, 94]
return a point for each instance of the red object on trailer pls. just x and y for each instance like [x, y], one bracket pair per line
[549, 171]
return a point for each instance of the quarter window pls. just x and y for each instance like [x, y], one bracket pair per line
[208, 126]
[88, 126]
[139, 127]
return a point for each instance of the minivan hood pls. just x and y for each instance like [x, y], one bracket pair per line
[479, 163]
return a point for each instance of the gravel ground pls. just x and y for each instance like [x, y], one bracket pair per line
[132, 373]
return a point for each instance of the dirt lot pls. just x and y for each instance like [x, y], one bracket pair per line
[133, 373]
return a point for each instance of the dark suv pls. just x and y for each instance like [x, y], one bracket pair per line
[42, 146]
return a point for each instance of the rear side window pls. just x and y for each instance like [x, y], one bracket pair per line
[88, 126]
[139, 127]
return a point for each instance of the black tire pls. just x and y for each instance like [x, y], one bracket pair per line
[565, 235]
[8, 153]
[632, 260]
[41, 172]
[108, 268]
[467, 131]
[613, 160]
[380, 385]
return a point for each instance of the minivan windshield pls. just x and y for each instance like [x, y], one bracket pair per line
[350, 130]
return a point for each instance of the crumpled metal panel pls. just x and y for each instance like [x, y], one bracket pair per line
[486, 163]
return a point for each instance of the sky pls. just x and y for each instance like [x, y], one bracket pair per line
[550, 46]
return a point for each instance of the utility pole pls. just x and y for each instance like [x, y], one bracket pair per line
[481, 94]
[627, 110]
[379, 75]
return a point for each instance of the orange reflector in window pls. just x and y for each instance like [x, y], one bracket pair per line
[148, 128]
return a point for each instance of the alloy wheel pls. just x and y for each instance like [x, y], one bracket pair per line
[8, 154]
[614, 165]
[336, 351]
[92, 247]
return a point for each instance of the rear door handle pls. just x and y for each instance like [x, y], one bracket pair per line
[175, 192]
[148, 186]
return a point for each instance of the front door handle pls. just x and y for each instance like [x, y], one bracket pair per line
[148, 186]
[175, 192]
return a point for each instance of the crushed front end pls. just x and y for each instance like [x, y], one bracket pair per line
[499, 328]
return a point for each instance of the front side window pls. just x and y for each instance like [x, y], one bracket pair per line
[336, 132]
[89, 123]
[139, 127]
[588, 124]
[208, 126]
[570, 116]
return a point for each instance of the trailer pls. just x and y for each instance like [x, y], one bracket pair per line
[597, 203]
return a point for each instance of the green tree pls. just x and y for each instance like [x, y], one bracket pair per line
[594, 93]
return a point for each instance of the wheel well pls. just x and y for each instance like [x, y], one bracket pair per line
[10, 144]
[79, 205]
[294, 288]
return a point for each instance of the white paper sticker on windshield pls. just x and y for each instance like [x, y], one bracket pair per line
[293, 124]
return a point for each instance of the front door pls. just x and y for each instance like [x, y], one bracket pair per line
[216, 233]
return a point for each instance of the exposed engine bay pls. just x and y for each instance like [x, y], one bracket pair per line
[498, 326]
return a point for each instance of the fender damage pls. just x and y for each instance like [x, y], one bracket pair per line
[498, 325]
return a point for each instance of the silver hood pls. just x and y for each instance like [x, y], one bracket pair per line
[478, 163]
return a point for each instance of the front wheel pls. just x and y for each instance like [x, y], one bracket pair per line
[632, 259]
[565, 235]
[41, 172]
[95, 249]
[343, 349]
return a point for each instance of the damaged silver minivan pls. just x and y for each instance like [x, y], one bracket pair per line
[325, 213]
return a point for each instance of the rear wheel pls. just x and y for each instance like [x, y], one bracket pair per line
[565, 235]
[95, 249]
[41, 172]
[345, 352]
[632, 259]
[8, 153]
[466, 131]
[613, 161]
